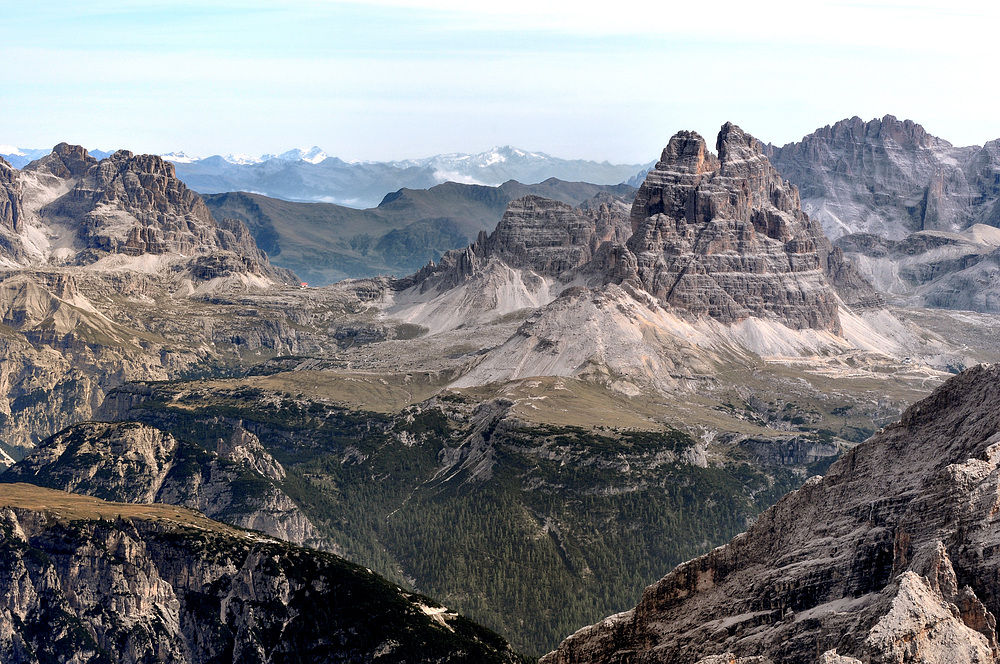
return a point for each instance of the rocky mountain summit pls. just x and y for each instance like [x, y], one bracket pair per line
[724, 237]
[892, 178]
[913, 212]
[93, 256]
[891, 557]
[720, 237]
[131, 205]
[710, 241]
[90, 581]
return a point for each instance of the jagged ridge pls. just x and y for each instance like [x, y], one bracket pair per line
[891, 557]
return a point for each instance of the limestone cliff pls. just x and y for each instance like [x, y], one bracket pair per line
[720, 237]
[134, 204]
[892, 557]
[11, 212]
[87, 581]
[547, 237]
[915, 215]
[724, 237]
[239, 483]
[890, 177]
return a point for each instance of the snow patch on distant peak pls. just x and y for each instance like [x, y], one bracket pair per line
[180, 158]
[313, 155]
[12, 151]
[241, 159]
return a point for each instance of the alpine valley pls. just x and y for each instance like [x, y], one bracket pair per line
[563, 392]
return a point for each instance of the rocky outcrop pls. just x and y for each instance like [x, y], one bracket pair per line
[134, 205]
[718, 237]
[66, 162]
[888, 176]
[131, 462]
[10, 198]
[724, 237]
[84, 578]
[11, 214]
[546, 237]
[909, 209]
[892, 557]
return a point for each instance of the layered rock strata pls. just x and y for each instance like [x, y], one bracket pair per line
[724, 237]
[546, 237]
[239, 483]
[892, 557]
[915, 214]
[708, 236]
[84, 578]
[11, 212]
[892, 178]
[134, 205]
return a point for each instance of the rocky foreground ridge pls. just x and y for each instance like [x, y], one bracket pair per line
[89, 581]
[891, 557]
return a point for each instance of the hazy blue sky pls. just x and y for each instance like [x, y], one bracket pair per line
[410, 78]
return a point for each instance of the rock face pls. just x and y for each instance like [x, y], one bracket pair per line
[892, 557]
[10, 198]
[544, 236]
[134, 204]
[708, 237]
[11, 212]
[724, 237]
[136, 463]
[907, 207]
[84, 578]
[890, 177]
[68, 208]
[65, 162]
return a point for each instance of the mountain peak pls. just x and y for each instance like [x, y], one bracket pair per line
[65, 161]
[734, 144]
[687, 152]
[711, 234]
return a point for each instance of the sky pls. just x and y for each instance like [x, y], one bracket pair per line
[399, 79]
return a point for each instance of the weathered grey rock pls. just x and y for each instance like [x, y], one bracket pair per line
[134, 204]
[65, 162]
[724, 237]
[547, 237]
[892, 557]
[11, 195]
[888, 177]
[84, 578]
[130, 462]
[907, 208]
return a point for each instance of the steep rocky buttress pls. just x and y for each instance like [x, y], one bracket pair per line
[91, 582]
[893, 556]
[708, 236]
[130, 462]
[723, 236]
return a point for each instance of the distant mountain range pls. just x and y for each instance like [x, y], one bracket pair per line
[323, 242]
[315, 177]
[21, 157]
